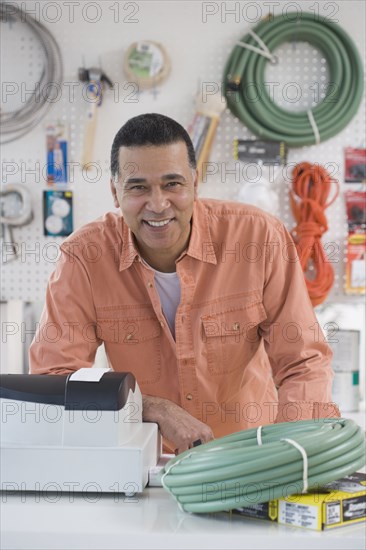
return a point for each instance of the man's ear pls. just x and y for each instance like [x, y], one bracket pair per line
[114, 193]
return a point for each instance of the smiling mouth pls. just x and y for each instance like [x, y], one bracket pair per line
[161, 223]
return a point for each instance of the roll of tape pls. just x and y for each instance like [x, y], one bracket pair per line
[61, 208]
[53, 224]
[146, 63]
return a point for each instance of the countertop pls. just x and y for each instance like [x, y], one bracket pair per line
[149, 520]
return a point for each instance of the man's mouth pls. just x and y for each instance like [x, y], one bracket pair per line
[158, 223]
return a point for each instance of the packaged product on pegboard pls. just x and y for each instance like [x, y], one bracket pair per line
[355, 165]
[356, 242]
[57, 154]
[57, 213]
[256, 187]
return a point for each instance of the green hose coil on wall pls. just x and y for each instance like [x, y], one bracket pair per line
[236, 470]
[244, 77]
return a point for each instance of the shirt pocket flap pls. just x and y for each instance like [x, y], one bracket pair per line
[129, 331]
[233, 322]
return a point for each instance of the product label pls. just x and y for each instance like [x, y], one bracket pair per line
[332, 513]
[354, 508]
[358, 277]
[259, 151]
[57, 154]
[57, 213]
[355, 165]
[299, 515]
[146, 60]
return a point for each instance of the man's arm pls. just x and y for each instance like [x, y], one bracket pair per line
[66, 338]
[175, 424]
[299, 356]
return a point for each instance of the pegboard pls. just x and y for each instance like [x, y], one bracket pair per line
[198, 42]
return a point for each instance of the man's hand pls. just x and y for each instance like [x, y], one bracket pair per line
[176, 424]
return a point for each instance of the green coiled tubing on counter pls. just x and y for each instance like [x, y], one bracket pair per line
[235, 471]
[244, 82]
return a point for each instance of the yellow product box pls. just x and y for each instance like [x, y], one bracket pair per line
[335, 504]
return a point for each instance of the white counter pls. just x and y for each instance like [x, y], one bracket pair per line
[150, 520]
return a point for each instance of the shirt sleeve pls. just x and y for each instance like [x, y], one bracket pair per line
[299, 355]
[66, 338]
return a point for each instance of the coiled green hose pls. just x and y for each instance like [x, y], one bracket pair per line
[235, 471]
[247, 97]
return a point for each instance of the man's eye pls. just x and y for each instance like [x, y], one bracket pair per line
[137, 188]
[173, 184]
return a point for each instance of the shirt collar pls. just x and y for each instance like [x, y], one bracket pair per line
[200, 244]
[129, 251]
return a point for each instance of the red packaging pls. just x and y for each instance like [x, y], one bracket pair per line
[355, 165]
[356, 208]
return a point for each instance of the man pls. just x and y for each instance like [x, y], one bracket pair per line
[203, 300]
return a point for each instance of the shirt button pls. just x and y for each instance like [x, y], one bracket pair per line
[236, 326]
[189, 396]
[129, 336]
[150, 285]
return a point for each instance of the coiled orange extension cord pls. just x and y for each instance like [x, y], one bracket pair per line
[311, 186]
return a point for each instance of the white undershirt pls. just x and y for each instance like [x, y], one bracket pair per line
[168, 287]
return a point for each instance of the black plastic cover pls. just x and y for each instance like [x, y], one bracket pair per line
[109, 394]
[36, 388]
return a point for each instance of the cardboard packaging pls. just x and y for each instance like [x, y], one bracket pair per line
[336, 504]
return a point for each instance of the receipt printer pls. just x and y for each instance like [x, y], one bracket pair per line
[79, 432]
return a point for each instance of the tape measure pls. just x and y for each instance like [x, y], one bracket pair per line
[146, 63]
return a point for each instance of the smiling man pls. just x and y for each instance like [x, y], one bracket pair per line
[156, 200]
[204, 301]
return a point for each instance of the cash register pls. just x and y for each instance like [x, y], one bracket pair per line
[78, 432]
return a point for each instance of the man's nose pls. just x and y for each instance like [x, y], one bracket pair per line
[158, 201]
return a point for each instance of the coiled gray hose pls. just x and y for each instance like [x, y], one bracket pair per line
[15, 124]
[236, 470]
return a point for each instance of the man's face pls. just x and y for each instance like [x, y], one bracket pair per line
[156, 190]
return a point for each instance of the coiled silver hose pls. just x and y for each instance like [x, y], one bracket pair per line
[16, 123]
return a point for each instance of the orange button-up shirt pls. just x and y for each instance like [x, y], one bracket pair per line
[248, 349]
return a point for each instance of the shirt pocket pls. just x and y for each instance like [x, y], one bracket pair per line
[133, 345]
[230, 338]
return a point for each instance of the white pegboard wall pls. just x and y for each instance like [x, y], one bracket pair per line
[198, 45]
